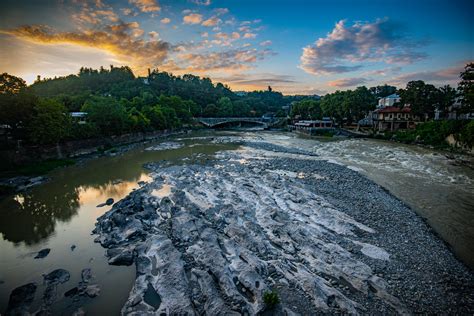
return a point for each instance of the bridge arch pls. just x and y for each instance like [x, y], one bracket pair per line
[222, 121]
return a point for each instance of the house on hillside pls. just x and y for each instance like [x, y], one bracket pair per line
[393, 118]
[388, 101]
[79, 117]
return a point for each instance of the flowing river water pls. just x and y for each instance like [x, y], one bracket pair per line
[61, 213]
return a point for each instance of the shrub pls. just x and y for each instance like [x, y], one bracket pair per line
[271, 299]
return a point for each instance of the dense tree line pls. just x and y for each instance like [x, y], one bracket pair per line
[424, 100]
[117, 102]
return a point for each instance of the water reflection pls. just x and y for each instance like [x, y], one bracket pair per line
[31, 217]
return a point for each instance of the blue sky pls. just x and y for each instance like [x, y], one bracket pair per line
[297, 47]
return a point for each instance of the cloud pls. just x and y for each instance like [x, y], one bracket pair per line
[346, 47]
[201, 2]
[442, 76]
[154, 35]
[165, 20]
[193, 18]
[146, 5]
[250, 35]
[266, 43]
[234, 60]
[262, 80]
[383, 72]
[88, 15]
[213, 21]
[347, 82]
[124, 40]
[283, 83]
[221, 11]
[127, 11]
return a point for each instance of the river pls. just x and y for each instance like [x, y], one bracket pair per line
[62, 212]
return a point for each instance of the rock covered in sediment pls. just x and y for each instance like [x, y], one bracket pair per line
[242, 225]
[165, 146]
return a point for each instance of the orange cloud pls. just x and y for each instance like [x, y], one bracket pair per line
[213, 21]
[146, 5]
[193, 18]
[123, 40]
[250, 35]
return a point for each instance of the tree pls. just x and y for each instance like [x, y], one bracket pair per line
[383, 91]
[16, 110]
[466, 89]
[422, 98]
[446, 98]
[107, 114]
[50, 122]
[210, 110]
[10, 84]
[138, 121]
[336, 105]
[224, 107]
[155, 116]
[359, 102]
[307, 109]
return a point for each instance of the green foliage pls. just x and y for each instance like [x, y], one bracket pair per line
[421, 97]
[50, 122]
[10, 84]
[466, 135]
[83, 131]
[466, 89]
[446, 98]
[435, 133]
[308, 109]
[107, 114]
[383, 91]
[271, 299]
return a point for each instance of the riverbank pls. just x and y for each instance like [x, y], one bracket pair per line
[219, 235]
[26, 176]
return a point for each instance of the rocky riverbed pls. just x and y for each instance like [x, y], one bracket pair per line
[215, 237]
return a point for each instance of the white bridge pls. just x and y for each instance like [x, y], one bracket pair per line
[219, 121]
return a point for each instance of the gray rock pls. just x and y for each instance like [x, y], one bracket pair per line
[57, 276]
[120, 256]
[42, 253]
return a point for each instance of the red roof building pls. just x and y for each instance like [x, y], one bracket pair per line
[393, 118]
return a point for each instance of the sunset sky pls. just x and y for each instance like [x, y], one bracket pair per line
[297, 47]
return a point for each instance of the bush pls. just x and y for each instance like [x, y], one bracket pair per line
[467, 135]
[435, 133]
[271, 299]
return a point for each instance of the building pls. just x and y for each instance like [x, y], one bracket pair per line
[388, 101]
[78, 117]
[393, 118]
[311, 126]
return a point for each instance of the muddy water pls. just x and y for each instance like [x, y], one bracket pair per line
[439, 190]
[62, 212]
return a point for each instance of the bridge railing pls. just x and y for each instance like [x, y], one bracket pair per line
[211, 121]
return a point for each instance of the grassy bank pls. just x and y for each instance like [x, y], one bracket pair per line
[435, 134]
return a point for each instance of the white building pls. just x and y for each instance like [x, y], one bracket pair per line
[388, 100]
